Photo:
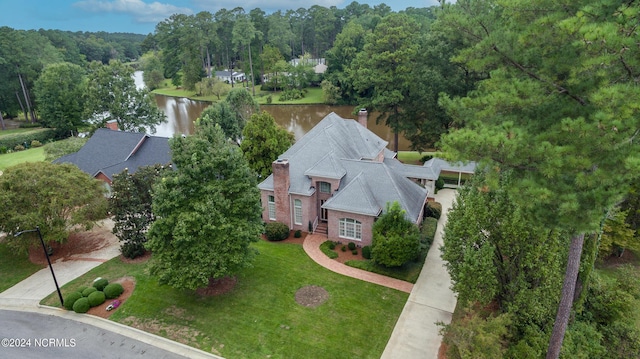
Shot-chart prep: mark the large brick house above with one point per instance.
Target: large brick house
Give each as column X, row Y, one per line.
column 338, row 179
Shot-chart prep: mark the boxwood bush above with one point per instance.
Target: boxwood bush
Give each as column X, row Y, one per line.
column 81, row 305
column 96, row 298
column 100, row 283
column 351, row 246
column 366, row 252
column 86, row 292
column 433, row 209
column 276, row 231
column 113, row 290
column 70, row 299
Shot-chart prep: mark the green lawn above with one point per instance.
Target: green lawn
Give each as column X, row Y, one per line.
column 13, row 131
column 312, row 97
column 412, row 157
column 31, row 155
column 14, row 268
column 260, row 317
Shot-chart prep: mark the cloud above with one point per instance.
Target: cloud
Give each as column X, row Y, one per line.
column 141, row 11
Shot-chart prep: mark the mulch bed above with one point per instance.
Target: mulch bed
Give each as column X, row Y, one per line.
column 78, row 243
column 129, row 284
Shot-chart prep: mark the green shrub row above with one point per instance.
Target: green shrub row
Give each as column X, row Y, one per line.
column 327, row 248
column 88, row 297
column 428, row 231
column 19, row 139
column 433, row 209
column 276, row 231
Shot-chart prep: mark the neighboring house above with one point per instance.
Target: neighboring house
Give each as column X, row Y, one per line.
column 108, row 152
column 338, row 179
column 227, row 76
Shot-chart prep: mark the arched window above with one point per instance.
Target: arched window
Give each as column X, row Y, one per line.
column 297, row 211
column 350, row 229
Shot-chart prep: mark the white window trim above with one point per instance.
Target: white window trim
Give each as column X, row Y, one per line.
column 271, row 206
column 356, row 227
column 297, row 211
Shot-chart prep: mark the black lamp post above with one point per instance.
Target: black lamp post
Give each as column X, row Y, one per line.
column 46, row 253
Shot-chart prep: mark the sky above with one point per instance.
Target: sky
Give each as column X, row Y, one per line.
column 141, row 16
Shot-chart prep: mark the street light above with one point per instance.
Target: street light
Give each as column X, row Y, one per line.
column 46, row 253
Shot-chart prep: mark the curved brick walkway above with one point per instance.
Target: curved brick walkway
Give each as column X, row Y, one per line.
column 312, row 244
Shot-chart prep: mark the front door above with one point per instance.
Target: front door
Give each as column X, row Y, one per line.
column 323, row 211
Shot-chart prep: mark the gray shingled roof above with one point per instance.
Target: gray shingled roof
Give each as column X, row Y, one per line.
column 438, row 164
column 339, row 148
column 110, row 152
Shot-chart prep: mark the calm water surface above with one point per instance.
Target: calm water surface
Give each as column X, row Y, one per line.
column 297, row 119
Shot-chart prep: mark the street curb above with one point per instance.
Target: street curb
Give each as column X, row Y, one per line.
column 133, row 333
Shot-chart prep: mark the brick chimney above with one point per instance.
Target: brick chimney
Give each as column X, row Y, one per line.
column 281, row 183
column 362, row 117
column 112, row 125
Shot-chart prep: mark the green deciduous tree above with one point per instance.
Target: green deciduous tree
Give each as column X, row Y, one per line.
column 207, row 212
column 59, row 95
column 152, row 70
column 57, row 198
column 263, row 141
column 57, row 149
column 555, row 110
column 112, row 95
column 396, row 240
column 130, row 205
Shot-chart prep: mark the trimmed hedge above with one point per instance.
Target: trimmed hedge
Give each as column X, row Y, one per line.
column 366, row 252
column 276, row 231
column 41, row 135
column 96, row 298
column 113, row 290
column 428, row 231
column 99, row 284
column 351, row 246
column 81, row 289
column 81, row 305
column 70, row 299
column 86, row 292
column 433, row 209
column 327, row 248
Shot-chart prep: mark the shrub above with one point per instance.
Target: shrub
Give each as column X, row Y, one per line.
column 269, row 99
column 396, row 240
column 276, row 231
column 113, row 290
column 428, row 230
column 439, row 184
column 96, row 298
column 81, row 289
column 86, row 292
column 132, row 249
column 41, row 135
column 344, row 248
column 18, row 148
column 366, row 252
column 3, row 149
column 81, row 305
column 36, row 143
column 351, row 246
column 327, row 248
column 298, row 234
column 425, row 158
column 354, row 252
column 100, row 283
column 70, row 299
column 433, row 209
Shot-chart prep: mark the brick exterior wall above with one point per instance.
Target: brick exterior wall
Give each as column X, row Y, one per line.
column 334, row 229
column 281, row 183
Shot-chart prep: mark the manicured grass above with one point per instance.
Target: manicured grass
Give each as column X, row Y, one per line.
column 312, row 97
column 324, row 247
column 13, row 131
column 412, row 157
column 14, row 268
column 260, row 317
column 31, row 155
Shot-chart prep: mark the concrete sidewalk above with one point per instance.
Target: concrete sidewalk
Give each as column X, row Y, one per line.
column 40, row 284
column 416, row 334
column 26, row 296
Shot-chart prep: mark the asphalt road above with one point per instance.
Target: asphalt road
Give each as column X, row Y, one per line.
column 25, row 335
